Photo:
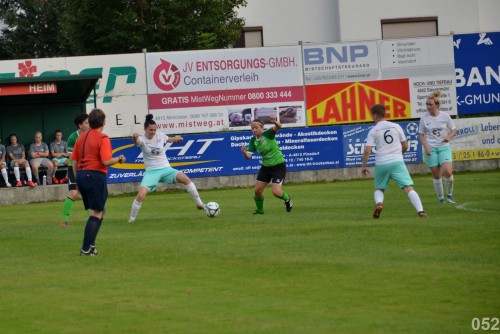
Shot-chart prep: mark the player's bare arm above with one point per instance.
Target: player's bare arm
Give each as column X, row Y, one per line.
column 424, row 144
column 277, row 125
column 450, row 135
column 404, row 146
column 135, row 138
column 246, row 154
column 175, row 139
column 366, row 155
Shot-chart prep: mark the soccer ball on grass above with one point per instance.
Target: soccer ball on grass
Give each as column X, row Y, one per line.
column 212, row 209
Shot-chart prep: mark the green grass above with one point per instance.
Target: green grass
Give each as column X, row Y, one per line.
column 326, row 267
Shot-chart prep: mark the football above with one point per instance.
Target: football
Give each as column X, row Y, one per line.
column 212, row 209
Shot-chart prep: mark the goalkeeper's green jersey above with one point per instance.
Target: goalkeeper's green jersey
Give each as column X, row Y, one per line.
column 71, row 143
column 268, row 148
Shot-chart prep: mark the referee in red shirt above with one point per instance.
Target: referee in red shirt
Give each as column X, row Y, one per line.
column 92, row 154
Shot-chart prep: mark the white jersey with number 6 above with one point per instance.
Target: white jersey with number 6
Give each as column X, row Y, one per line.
column 386, row 138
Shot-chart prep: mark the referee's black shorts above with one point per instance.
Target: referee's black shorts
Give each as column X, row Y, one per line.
column 93, row 187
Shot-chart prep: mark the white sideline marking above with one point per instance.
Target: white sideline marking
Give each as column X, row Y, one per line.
column 465, row 207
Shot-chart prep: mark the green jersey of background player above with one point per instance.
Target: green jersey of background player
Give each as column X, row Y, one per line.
column 273, row 167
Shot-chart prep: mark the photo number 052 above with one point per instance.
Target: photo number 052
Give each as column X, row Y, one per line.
column 486, row 324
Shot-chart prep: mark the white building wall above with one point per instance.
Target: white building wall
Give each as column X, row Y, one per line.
column 489, row 12
column 287, row 22
column 360, row 19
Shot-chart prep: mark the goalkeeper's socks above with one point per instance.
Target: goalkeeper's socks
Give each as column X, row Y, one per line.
column 259, row 202
column 67, row 207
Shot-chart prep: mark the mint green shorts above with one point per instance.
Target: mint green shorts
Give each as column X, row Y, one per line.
column 60, row 160
column 394, row 170
column 439, row 155
column 152, row 177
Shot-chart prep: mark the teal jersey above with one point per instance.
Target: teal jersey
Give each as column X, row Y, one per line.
column 268, row 148
column 71, row 143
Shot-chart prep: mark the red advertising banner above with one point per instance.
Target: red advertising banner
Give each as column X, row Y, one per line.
column 225, row 97
column 29, row 89
column 350, row 102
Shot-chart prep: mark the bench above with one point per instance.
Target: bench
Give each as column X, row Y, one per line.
column 60, row 173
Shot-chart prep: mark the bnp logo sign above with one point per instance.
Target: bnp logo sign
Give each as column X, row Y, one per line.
column 335, row 54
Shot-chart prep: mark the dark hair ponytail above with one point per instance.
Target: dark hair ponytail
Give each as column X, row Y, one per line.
column 149, row 121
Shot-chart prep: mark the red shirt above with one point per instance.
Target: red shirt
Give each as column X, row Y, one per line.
column 91, row 149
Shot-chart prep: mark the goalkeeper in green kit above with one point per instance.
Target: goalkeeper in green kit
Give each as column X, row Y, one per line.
column 82, row 124
column 273, row 167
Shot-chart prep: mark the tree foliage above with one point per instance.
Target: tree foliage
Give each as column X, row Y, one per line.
column 48, row 28
column 31, row 29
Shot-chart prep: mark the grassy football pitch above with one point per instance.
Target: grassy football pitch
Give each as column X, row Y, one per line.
column 326, row 267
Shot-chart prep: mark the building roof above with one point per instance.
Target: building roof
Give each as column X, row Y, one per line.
column 60, row 89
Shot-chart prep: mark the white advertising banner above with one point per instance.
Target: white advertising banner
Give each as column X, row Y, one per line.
column 218, row 90
column 121, row 92
column 420, row 66
column 476, row 139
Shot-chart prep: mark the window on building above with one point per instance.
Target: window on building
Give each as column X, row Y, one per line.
column 251, row 37
column 409, row 27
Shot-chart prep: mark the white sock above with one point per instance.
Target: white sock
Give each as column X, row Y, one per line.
column 191, row 189
column 136, row 206
column 54, row 171
column 448, row 183
column 5, row 176
column 415, row 201
column 379, row 196
column 438, row 187
column 28, row 173
column 17, row 173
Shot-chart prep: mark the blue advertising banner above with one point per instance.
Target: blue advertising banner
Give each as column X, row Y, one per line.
column 477, row 70
column 354, row 139
column 219, row 154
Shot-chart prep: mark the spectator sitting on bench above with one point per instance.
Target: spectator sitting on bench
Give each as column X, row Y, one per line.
column 17, row 157
column 59, row 153
column 3, row 166
column 39, row 153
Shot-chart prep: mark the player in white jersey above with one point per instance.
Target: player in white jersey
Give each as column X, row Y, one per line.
column 390, row 143
column 436, row 130
column 158, row 169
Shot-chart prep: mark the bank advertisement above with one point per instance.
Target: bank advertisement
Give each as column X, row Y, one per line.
column 477, row 68
column 354, row 142
column 476, row 139
column 219, row 154
column 121, row 92
column 358, row 75
column 223, row 90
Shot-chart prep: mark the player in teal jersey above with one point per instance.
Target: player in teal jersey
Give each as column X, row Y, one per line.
column 82, row 123
column 273, row 167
